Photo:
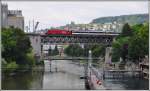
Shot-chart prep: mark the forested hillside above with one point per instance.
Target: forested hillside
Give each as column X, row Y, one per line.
column 131, row 19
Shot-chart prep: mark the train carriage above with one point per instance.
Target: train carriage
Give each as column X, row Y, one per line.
column 58, row 32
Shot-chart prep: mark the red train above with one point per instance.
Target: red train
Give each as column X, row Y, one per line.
column 58, row 32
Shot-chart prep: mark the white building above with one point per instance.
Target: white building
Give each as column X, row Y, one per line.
column 104, row 27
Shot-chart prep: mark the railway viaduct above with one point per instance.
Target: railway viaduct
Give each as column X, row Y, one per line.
column 38, row 40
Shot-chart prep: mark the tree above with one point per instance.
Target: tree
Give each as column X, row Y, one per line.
column 126, row 30
column 139, row 45
column 116, row 51
column 55, row 51
column 86, row 50
column 16, row 46
column 120, row 45
column 120, row 49
column 132, row 45
column 74, row 50
column 50, row 51
column 98, row 50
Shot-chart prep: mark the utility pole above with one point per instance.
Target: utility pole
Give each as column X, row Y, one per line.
column 37, row 23
column 90, row 59
column 29, row 25
column 33, row 25
column 90, row 63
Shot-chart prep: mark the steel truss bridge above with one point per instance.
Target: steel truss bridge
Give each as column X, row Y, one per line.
column 100, row 38
column 77, row 37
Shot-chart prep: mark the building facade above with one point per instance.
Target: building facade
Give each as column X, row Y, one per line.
column 12, row 18
column 16, row 19
column 4, row 15
column 106, row 27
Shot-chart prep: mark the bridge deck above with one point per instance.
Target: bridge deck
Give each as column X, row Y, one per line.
column 70, row 58
column 122, row 70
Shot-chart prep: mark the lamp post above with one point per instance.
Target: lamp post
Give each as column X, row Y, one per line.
column 89, row 63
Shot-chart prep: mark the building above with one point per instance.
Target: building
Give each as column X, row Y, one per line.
column 4, row 15
column 12, row 18
column 16, row 19
column 103, row 27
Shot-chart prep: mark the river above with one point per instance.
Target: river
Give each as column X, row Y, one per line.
column 64, row 74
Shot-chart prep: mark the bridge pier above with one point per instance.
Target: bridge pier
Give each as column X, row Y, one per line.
column 108, row 52
column 35, row 40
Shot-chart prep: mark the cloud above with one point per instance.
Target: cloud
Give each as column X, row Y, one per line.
column 60, row 13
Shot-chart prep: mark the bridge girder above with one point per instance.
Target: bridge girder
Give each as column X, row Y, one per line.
column 84, row 39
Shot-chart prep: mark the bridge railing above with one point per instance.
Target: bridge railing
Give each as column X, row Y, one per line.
column 69, row 58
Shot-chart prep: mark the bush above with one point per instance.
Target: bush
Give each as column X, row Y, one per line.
column 10, row 67
column 30, row 59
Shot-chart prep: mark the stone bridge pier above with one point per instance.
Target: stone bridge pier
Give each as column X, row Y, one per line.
column 108, row 54
column 35, row 40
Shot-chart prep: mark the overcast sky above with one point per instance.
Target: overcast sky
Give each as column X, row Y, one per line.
column 61, row 13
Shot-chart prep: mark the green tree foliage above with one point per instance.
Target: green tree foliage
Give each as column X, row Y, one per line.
column 30, row 59
column 120, row 45
column 74, row 50
column 131, row 19
column 10, row 67
column 98, row 50
column 86, row 50
column 139, row 43
column 136, row 28
column 50, row 51
column 56, row 51
column 119, row 50
column 132, row 45
column 16, row 45
column 53, row 52
column 126, row 30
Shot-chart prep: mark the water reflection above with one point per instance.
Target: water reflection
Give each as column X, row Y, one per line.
column 128, row 84
column 22, row 80
column 67, row 77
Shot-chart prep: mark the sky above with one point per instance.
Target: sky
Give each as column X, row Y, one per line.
column 54, row 14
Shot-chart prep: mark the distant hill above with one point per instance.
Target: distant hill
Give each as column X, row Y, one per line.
column 131, row 19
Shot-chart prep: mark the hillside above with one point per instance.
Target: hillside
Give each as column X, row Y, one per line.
column 131, row 19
